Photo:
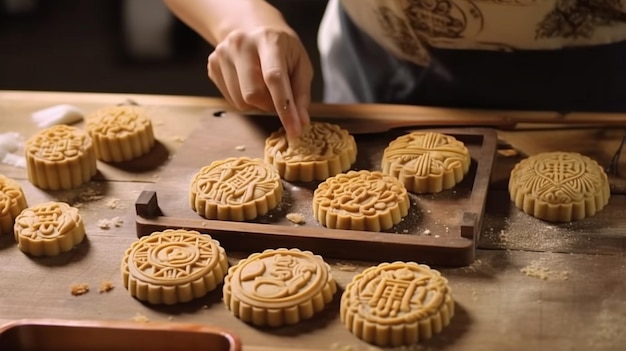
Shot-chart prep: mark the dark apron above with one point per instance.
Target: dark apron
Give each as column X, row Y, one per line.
column 573, row 79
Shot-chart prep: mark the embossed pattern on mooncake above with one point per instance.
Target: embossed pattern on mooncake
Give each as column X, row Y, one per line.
column 426, row 162
column 278, row 287
column 60, row 157
column 49, row 229
column 173, row 266
column 120, row 133
column 322, row 151
column 12, row 202
column 360, row 200
column 559, row 186
column 396, row 304
column 236, row 188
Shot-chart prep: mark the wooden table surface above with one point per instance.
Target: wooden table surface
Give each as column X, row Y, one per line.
column 533, row 285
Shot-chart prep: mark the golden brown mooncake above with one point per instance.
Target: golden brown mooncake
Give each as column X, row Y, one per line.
column 48, row 229
column 236, row 189
column 120, row 133
column 360, row 200
column 278, row 287
column 60, row 157
column 12, row 202
column 173, row 266
column 559, row 186
column 396, row 304
column 426, row 162
column 322, row 151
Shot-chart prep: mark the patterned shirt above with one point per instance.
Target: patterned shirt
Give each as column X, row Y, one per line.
column 521, row 54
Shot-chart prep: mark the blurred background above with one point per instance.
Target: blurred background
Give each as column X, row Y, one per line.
column 119, row 46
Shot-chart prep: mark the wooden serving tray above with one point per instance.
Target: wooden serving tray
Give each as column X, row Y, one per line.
column 440, row 229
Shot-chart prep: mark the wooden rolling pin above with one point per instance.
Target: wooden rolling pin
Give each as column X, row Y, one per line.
column 359, row 118
column 363, row 118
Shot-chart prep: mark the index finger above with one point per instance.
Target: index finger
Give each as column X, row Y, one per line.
column 276, row 77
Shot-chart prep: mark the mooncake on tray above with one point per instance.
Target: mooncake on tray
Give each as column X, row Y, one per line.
column 426, row 162
column 235, row 189
column 323, row 150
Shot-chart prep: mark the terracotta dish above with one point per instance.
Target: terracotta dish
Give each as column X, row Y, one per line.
column 73, row 335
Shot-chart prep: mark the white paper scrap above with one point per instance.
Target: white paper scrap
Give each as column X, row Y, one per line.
column 10, row 141
column 13, row 160
column 58, row 114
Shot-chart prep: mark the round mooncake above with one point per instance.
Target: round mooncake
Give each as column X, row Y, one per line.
column 173, row 266
column 322, row 151
column 426, row 162
column 360, row 200
column 396, row 304
column 60, row 157
column 278, row 287
column 559, row 186
column 49, row 229
column 236, row 189
column 12, row 202
column 120, row 133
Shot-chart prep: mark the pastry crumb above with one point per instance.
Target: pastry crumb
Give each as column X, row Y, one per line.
column 117, row 221
column 113, row 203
column 427, row 232
column 474, row 267
column 140, row 318
column 346, row 267
column 537, row 269
column 79, row 289
column 240, row 148
column 508, row 152
column 296, row 218
column 536, row 272
column 106, row 286
column 105, row 223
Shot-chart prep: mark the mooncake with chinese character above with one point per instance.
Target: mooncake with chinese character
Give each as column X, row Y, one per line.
column 278, row 287
column 397, row 304
column 12, row 202
column 173, row 266
column 49, row 229
column 321, row 151
column 236, row 189
column 360, row 200
column 120, row 133
column 426, row 162
column 559, row 186
column 60, row 157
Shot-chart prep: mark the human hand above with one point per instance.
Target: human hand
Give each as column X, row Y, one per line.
column 266, row 68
